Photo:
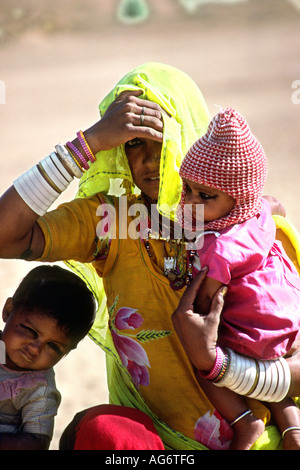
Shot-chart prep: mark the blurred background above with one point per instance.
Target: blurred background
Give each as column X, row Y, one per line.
column 58, row 59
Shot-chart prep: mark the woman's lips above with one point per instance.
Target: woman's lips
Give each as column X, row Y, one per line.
column 152, row 179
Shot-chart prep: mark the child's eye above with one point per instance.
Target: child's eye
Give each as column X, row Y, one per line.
column 206, row 197
column 29, row 330
column 55, row 348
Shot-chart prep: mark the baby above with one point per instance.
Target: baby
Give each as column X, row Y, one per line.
column 226, row 171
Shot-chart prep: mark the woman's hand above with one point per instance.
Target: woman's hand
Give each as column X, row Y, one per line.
column 198, row 333
column 126, row 118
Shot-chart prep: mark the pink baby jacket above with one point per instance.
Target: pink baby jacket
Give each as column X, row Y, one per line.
column 261, row 315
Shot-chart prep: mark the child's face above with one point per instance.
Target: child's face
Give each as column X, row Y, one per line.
column 216, row 203
column 33, row 341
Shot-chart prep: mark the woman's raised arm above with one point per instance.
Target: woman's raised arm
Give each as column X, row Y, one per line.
column 20, row 206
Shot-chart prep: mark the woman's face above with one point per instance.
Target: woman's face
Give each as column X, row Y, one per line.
column 144, row 160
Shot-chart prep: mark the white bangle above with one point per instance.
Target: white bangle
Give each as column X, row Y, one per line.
column 237, row 377
column 263, row 380
column 69, row 160
column 260, row 382
column 284, row 380
column 249, row 378
column 56, row 177
column 41, row 185
column 60, row 167
column 28, row 195
column 30, row 188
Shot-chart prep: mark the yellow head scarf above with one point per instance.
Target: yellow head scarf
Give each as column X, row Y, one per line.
column 186, row 120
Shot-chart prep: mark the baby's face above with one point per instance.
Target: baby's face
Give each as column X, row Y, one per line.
column 33, row 341
column 216, row 203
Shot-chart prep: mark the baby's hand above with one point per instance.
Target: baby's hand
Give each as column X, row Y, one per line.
column 277, row 208
column 292, row 440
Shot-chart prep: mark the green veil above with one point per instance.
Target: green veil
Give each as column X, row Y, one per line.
column 186, row 119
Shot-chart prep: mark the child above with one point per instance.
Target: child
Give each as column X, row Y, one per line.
column 50, row 312
column 225, row 171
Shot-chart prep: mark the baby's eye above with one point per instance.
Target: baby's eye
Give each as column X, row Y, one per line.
column 206, row 197
column 55, row 348
column 28, row 330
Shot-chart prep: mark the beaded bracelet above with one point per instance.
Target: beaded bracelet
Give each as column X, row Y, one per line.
column 219, row 367
column 84, row 144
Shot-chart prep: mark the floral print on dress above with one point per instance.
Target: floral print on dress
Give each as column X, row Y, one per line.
column 129, row 345
column 213, row 431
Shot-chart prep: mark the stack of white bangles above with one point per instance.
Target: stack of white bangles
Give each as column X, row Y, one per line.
column 263, row 380
column 41, row 185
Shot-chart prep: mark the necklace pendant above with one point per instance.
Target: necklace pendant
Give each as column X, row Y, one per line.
column 178, row 283
column 170, row 264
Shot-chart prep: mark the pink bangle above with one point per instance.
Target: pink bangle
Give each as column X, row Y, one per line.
column 217, row 368
column 79, row 155
column 84, row 144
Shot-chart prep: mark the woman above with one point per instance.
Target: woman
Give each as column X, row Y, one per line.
column 149, row 121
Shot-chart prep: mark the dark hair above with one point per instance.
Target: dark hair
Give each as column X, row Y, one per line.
column 59, row 294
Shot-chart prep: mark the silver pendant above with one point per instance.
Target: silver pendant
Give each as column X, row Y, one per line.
column 170, row 265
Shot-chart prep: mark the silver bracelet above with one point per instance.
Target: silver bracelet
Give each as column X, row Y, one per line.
column 292, row 428
column 243, row 415
column 263, row 380
column 68, row 160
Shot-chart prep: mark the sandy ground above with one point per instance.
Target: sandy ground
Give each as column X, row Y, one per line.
column 55, row 73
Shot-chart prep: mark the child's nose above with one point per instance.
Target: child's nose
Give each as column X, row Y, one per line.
column 35, row 347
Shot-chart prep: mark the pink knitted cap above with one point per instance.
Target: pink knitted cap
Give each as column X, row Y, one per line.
column 228, row 158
